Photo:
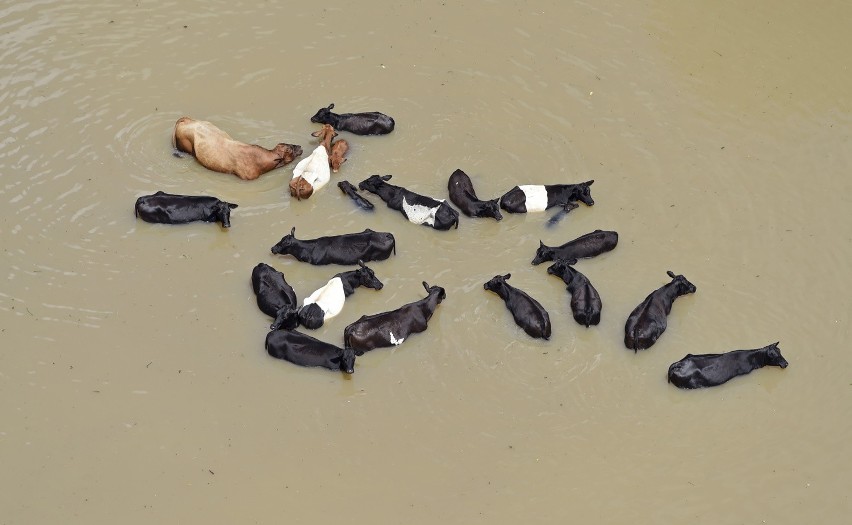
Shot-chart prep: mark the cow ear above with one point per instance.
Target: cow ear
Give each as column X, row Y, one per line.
column 670, row 274
column 589, row 183
column 507, row 276
column 232, row 205
column 425, row 285
column 386, row 177
column 293, row 231
column 361, row 263
column 540, row 244
column 331, row 106
column 335, row 360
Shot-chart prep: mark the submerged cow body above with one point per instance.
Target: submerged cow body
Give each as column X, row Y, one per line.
column 531, row 198
column 583, row 247
column 216, row 150
column 586, row 302
column 417, row 208
column 275, row 297
column 327, row 301
column 304, row 350
column 526, row 311
column 368, row 123
column 706, row 370
column 648, row 321
column 392, row 328
column 166, row 208
column 346, row 249
column 464, row 197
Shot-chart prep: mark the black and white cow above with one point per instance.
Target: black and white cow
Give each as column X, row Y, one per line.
column 464, row 197
column 349, row 189
column 527, row 312
column 586, row 302
column 531, row 198
column 648, row 321
column 392, row 328
column 166, row 208
column 304, row 350
column 705, row 370
column 346, row 249
column 327, row 301
column 583, row 247
column 275, row 297
column 417, row 208
column 369, row 123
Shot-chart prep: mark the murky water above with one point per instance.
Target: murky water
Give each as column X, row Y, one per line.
column 134, row 382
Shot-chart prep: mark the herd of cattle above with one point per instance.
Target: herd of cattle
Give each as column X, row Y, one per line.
column 217, row 151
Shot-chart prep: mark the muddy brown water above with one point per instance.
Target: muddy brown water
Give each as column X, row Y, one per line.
column 134, row 382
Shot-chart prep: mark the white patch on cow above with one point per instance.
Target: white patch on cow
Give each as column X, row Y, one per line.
column 329, row 298
column 394, row 340
column 314, row 168
column 419, row 214
column 536, row 197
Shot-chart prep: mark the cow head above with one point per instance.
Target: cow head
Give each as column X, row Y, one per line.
column 544, row 253
column 286, row 319
column 285, row 242
column 683, row 286
column 496, row 282
column 774, row 357
column 584, row 193
column 562, row 268
column 441, row 293
column 323, row 116
column 346, row 360
column 223, row 213
column 367, row 277
column 300, row 188
column 286, row 153
column 373, row 182
column 491, row 209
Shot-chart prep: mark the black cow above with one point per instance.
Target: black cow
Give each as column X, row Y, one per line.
column 417, row 208
column 166, row 208
column 464, row 197
column 349, row 189
column 346, row 249
column 304, row 350
column 699, row 371
column 527, row 312
column 535, row 197
column 275, row 297
column 371, row 123
column 328, row 300
column 392, row 328
column 585, row 300
column 648, row 321
column 583, row 247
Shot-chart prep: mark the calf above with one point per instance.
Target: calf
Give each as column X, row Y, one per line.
column 699, row 371
column 304, row 350
column 310, row 174
column 216, row 150
column 178, row 209
column 417, row 208
column 393, row 327
column 338, row 153
column 527, row 312
column 585, row 300
column 648, row 321
column 275, row 297
column 325, row 135
column 347, row 188
column 327, row 302
column 583, row 247
column 371, row 123
column 535, row 198
column 345, row 249
column 464, row 197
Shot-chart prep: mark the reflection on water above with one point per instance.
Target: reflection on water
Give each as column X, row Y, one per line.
column 134, row 375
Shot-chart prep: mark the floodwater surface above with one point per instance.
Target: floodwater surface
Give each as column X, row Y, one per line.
column 134, row 383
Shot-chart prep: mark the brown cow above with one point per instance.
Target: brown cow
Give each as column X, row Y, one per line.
column 336, row 150
column 216, row 150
